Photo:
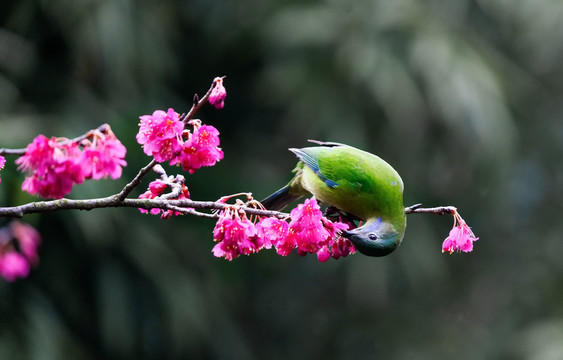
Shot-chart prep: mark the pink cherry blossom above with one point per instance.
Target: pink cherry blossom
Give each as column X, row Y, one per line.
column 307, row 228
column 271, row 231
column 285, row 246
column 341, row 247
column 53, row 167
column 335, row 245
column 35, row 154
column 156, row 188
column 161, row 134
column 105, row 157
column 2, row 163
column 18, row 250
column 202, row 149
column 13, row 266
column 234, row 234
column 28, row 240
column 308, row 231
column 218, row 93
column 461, row 237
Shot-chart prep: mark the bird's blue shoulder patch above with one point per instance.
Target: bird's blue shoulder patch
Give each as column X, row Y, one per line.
column 329, row 183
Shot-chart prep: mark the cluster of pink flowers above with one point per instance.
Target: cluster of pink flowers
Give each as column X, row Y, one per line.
column 55, row 165
column 162, row 136
column 308, row 232
column 236, row 235
column 18, row 250
column 103, row 156
column 461, row 237
column 202, row 149
column 156, row 188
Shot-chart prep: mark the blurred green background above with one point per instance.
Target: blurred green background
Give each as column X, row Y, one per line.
column 464, row 98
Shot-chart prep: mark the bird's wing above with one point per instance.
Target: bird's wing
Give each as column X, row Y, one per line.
column 311, row 159
column 351, row 170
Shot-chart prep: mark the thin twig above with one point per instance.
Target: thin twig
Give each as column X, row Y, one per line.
column 189, row 211
column 20, row 152
column 439, row 210
column 198, row 103
column 136, row 181
column 16, row 152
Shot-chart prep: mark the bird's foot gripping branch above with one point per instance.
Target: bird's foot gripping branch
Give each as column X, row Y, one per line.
column 374, row 226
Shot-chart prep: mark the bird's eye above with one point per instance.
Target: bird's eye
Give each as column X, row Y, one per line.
column 372, row 236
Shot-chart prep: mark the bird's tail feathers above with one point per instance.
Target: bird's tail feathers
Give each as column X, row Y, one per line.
column 280, row 199
column 326, row 143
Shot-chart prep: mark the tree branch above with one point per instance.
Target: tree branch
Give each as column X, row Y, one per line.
column 197, row 104
column 184, row 206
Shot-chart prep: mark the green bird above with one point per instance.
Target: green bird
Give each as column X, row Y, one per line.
column 355, row 182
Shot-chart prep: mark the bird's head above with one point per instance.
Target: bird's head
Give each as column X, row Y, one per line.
column 375, row 238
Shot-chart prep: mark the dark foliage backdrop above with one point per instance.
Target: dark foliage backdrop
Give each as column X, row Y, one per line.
column 463, row 97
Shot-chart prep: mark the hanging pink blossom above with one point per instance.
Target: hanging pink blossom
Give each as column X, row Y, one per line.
column 202, row 149
column 104, row 157
column 218, row 93
column 461, row 237
column 308, row 231
column 271, row 231
column 335, row 245
column 307, row 228
column 53, row 167
column 234, row 235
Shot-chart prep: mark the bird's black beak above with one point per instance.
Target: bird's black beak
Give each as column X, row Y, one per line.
column 348, row 233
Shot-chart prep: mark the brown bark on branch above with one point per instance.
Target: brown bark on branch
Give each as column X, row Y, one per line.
column 113, row 201
column 439, row 210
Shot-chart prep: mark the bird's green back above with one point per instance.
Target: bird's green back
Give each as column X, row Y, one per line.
column 352, row 180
